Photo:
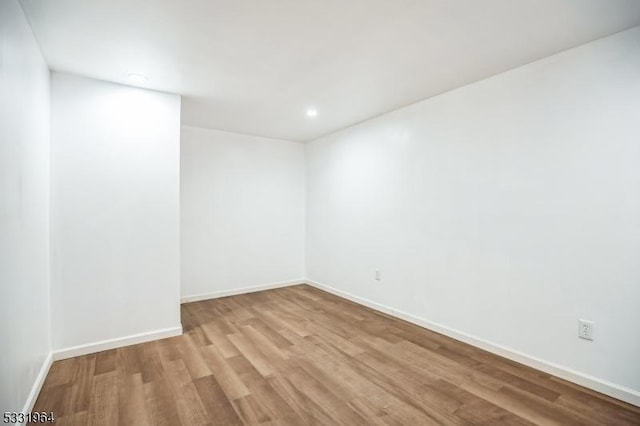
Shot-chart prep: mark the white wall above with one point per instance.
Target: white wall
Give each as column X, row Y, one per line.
column 506, row 209
column 242, row 201
column 115, row 242
column 24, row 209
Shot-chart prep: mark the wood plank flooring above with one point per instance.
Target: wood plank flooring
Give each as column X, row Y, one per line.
column 297, row 356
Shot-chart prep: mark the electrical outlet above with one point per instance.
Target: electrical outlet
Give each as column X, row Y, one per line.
column 585, row 329
column 377, row 275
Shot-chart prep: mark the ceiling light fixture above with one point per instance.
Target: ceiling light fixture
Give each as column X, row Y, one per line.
column 312, row 112
column 137, row 78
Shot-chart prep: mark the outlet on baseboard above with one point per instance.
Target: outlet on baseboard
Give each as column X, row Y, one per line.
column 585, row 329
column 377, row 275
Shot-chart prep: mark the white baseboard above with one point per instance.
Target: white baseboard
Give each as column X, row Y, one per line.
column 119, row 342
column 37, row 384
column 235, row 291
column 616, row 391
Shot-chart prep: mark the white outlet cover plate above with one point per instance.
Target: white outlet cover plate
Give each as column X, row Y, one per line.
column 585, row 329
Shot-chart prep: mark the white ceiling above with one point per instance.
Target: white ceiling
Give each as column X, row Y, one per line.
column 255, row 66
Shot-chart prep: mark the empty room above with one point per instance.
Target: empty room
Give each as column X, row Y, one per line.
column 309, row 212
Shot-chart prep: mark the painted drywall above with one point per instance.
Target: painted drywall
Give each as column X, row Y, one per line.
column 506, row 209
column 24, row 209
column 242, row 211
column 115, row 245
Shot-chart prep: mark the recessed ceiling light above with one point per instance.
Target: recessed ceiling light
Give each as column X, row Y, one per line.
column 312, row 112
column 137, row 78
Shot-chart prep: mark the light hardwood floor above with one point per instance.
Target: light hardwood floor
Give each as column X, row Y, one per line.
column 300, row 356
